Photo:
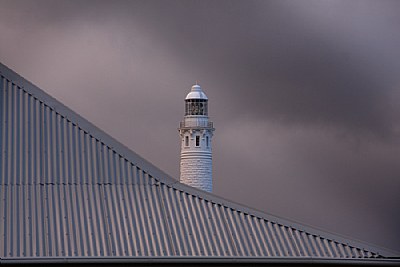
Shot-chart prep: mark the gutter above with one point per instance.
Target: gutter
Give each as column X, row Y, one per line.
column 274, row 261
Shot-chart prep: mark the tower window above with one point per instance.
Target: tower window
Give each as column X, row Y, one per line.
column 197, row 140
column 207, row 141
column 186, row 140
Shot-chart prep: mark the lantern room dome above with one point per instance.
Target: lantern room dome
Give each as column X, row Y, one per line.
column 196, row 93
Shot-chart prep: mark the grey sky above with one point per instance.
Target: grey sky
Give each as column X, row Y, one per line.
column 304, row 94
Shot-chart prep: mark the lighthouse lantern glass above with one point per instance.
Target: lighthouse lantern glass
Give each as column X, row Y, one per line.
column 197, row 107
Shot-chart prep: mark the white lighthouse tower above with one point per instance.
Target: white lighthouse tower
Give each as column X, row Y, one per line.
column 196, row 132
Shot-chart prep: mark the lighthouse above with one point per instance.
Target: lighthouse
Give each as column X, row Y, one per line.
column 196, row 132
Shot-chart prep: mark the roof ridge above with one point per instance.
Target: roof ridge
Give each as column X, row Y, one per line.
column 85, row 125
column 309, row 229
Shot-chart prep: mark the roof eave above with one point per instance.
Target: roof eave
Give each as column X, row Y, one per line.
column 295, row 261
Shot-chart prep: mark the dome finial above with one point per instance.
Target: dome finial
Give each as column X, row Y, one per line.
column 196, row 92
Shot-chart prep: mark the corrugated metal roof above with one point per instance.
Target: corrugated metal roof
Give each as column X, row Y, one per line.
column 69, row 190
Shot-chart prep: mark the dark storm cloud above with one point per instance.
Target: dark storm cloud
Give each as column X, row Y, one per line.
column 296, row 68
column 287, row 65
column 297, row 89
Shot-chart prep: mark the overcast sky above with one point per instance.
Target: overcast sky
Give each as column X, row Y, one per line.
column 304, row 95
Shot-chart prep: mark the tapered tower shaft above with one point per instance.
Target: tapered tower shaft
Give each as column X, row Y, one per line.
column 196, row 132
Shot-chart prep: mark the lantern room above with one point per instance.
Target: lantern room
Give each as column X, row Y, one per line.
column 196, row 102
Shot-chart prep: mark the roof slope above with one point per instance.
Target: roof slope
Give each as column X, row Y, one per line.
column 67, row 189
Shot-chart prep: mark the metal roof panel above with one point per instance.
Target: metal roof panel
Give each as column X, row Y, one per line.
column 67, row 189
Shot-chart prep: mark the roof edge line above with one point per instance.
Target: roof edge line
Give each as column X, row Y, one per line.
column 311, row 230
column 85, row 125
